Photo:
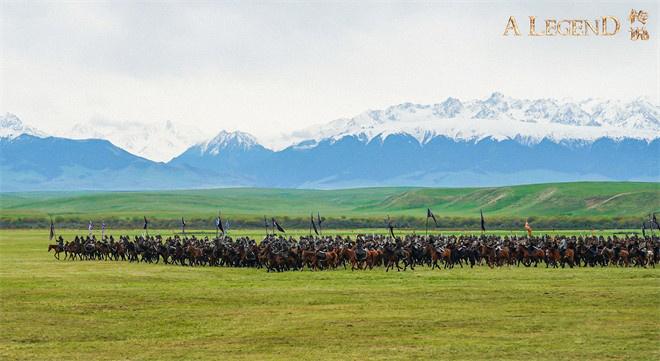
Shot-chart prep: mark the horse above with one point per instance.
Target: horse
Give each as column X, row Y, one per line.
column 391, row 258
column 56, row 248
column 435, row 256
column 650, row 257
column 528, row 257
column 569, row 257
column 308, row 258
column 356, row 262
column 194, row 255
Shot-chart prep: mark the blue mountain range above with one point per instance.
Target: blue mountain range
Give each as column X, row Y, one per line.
column 494, row 142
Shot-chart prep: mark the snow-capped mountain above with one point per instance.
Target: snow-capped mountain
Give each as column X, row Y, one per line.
column 227, row 140
column 156, row 141
column 11, row 127
column 227, row 150
column 491, row 142
column 498, row 117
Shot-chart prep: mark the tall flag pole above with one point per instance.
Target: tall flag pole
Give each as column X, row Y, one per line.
column 483, row 223
column 89, row 228
column 217, row 226
column 52, row 229
column 146, row 226
column 319, row 221
column 183, row 226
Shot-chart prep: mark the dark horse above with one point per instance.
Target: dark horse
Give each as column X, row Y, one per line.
column 57, row 248
column 392, row 256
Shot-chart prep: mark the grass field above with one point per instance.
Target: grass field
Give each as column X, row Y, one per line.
column 53, row 310
column 602, row 199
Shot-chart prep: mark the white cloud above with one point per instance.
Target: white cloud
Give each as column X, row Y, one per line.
column 266, row 68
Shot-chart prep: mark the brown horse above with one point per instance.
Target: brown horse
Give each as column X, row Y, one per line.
column 527, row 258
column 194, row 255
column 351, row 255
column 504, row 256
column 374, row 258
column 488, row 253
column 331, row 259
column 276, row 262
column 308, row 258
column 607, row 254
column 552, row 257
column 56, row 248
column 624, row 258
column 73, row 251
column 439, row 255
column 569, row 257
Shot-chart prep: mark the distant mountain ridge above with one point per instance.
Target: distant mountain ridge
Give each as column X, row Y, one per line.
column 499, row 117
column 492, row 142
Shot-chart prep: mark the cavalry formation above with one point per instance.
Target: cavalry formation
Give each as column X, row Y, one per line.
column 278, row 253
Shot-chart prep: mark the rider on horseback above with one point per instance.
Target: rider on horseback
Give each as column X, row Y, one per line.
column 530, row 245
column 399, row 248
column 360, row 252
column 562, row 246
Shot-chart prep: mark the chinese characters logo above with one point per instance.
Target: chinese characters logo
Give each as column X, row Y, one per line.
column 638, row 33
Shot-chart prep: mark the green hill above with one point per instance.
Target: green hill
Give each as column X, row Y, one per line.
column 572, row 204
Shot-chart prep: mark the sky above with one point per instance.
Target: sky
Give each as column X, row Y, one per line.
column 273, row 67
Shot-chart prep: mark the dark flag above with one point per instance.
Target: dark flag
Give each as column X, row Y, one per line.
column 218, row 224
column 318, row 220
column 146, row 223
column 52, row 229
column 183, row 226
column 277, row 225
column 430, row 214
column 311, row 218
column 483, row 223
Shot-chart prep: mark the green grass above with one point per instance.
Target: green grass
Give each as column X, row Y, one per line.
column 602, row 199
column 118, row 311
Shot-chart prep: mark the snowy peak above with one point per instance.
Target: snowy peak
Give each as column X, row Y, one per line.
column 11, row 127
column 572, row 114
column 228, row 140
column 448, row 109
column 498, row 117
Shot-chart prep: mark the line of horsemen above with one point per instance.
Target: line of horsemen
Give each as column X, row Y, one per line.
column 279, row 253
